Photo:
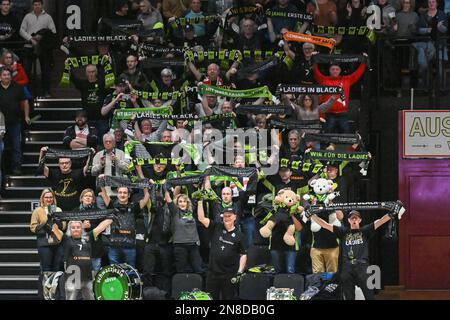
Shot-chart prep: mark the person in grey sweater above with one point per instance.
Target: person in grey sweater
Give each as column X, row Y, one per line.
column 407, row 20
column 184, row 233
column 307, row 108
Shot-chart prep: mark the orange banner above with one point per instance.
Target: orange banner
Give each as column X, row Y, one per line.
column 300, row 37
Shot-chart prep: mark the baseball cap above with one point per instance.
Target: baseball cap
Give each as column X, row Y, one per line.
column 228, row 210
column 120, row 81
column 354, row 212
column 188, row 27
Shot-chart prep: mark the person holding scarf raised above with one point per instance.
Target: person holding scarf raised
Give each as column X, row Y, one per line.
column 336, row 117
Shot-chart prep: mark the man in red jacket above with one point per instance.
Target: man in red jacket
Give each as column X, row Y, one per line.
column 336, row 117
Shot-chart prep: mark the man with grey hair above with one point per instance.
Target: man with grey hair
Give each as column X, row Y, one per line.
column 111, row 162
column 167, row 82
column 303, row 66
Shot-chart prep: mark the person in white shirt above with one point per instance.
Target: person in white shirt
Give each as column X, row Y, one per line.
column 32, row 30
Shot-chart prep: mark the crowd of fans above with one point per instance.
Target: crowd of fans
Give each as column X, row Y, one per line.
column 163, row 56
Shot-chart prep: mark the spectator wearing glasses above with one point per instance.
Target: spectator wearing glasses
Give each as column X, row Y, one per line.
column 48, row 232
column 66, row 183
column 303, row 68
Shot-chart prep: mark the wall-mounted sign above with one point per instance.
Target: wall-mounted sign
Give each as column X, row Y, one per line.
column 426, row 134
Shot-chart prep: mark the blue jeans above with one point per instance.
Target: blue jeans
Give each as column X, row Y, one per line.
column 337, row 123
column 425, row 54
column 248, row 229
column 13, row 139
column 117, row 255
column 283, row 258
column 96, row 263
column 51, row 258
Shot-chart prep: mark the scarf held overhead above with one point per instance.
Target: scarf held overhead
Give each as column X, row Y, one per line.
column 77, row 62
column 392, row 206
column 300, row 37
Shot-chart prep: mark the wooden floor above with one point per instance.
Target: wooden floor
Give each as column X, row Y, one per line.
column 399, row 293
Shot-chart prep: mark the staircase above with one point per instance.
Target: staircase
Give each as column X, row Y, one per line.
column 19, row 260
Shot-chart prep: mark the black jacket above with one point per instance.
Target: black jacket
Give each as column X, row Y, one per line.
column 69, row 135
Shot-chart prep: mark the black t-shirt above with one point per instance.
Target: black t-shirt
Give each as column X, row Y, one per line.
column 10, row 99
column 355, row 243
column 283, row 220
column 323, row 239
column 226, row 249
column 303, row 69
column 67, row 187
column 123, row 232
column 78, row 252
column 10, row 24
column 92, row 96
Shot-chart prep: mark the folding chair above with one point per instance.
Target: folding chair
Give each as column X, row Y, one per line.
column 253, row 286
column 185, row 282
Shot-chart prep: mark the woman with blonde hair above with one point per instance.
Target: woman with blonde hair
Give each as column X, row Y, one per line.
column 184, row 232
column 48, row 232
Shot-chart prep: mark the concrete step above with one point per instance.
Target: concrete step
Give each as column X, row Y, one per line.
column 18, row 294
column 19, row 255
column 15, row 229
column 56, row 135
column 51, row 124
column 20, row 268
column 31, row 168
column 23, row 192
column 56, row 113
column 17, row 204
column 26, row 181
column 35, row 146
column 22, row 282
column 16, row 242
column 15, row 216
column 57, row 103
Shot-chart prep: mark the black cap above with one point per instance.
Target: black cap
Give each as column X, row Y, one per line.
column 188, row 27
column 228, row 210
column 354, row 212
column 333, row 164
column 119, row 81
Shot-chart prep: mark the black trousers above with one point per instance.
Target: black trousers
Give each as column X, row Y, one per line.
column 220, row 286
column 355, row 275
column 45, row 59
column 154, row 253
column 187, row 258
